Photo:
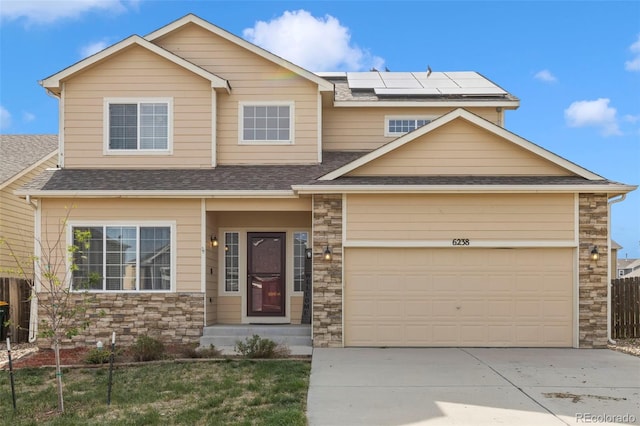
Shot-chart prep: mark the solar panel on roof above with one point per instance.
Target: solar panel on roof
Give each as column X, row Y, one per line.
column 406, row 92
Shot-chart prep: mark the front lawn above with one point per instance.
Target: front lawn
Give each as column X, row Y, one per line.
column 237, row 392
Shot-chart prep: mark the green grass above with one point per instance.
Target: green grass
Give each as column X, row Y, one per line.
column 237, row 392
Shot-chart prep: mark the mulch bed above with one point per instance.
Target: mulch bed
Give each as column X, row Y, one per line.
column 47, row 357
column 77, row 356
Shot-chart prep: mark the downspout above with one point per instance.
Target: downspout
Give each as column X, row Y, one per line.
column 33, row 306
column 610, row 203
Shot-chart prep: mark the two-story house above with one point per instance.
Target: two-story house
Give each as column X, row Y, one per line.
column 208, row 169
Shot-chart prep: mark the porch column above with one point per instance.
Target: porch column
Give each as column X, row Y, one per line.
column 592, row 281
column 327, row 274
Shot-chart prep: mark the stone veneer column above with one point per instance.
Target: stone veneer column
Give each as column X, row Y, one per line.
column 173, row 318
column 327, row 275
column 593, row 282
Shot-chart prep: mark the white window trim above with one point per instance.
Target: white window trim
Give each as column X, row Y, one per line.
column 293, row 248
column 105, row 126
column 137, row 224
column 292, row 115
column 223, row 267
column 387, row 118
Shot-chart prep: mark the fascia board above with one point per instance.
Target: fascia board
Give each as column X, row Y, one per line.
column 155, row 194
column 323, row 85
column 53, row 81
column 28, row 169
column 425, row 189
column 507, row 104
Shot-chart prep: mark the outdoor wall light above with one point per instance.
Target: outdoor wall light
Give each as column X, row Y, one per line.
column 594, row 253
column 327, row 254
column 214, row 241
column 308, row 253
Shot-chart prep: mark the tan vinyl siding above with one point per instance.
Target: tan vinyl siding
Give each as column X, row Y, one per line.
column 16, row 224
column 230, row 310
column 296, row 309
column 252, row 79
column 259, row 204
column 137, row 73
column 489, row 217
column 211, row 296
column 185, row 213
column 363, row 129
column 460, row 148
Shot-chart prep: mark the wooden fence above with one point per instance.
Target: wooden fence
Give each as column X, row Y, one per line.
column 17, row 293
column 625, row 308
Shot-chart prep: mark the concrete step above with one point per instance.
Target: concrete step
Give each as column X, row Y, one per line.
column 285, row 334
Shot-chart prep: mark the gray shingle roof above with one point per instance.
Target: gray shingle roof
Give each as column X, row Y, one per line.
column 19, row 152
column 222, row 178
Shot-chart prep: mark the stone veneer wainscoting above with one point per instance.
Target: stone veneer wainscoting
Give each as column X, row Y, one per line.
column 327, row 275
column 173, row 318
column 593, row 282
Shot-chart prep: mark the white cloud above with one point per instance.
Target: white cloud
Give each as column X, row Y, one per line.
column 546, row 76
column 316, row 44
column 92, row 48
column 28, row 117
column 5, row 118
column 47, row 11
column 596, row 113
column 634, row 64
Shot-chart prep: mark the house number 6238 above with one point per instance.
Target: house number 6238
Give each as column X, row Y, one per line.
column 460, row 242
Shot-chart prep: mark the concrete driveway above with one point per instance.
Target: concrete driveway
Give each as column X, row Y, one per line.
column 473, row 386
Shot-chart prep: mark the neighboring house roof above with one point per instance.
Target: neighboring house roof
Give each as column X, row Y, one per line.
column 20, row 154
column 52, row 83
column 323, row 84
column 460, row 113
column 624, row 263
column 633, row 274
column 459, row 88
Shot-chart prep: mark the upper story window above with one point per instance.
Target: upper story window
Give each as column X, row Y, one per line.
column 266, row 123
column 398, row 126
column 138, row 125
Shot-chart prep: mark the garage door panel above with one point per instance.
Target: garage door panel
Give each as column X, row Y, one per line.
column 458, row 297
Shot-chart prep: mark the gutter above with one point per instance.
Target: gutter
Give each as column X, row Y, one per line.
column 609, row 204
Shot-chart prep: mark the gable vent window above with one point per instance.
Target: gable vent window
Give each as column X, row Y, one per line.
column 266, row 123
column 400, row 126
column 138, row 126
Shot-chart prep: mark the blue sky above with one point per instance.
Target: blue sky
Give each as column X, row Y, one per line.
column 575, row 65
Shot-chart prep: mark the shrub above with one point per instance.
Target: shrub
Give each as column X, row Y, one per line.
column 100, row 356
column 196, row 352
column 257, row 347
column 147, row 348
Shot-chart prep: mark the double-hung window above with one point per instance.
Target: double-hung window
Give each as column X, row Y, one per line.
column 266, row 123
column 133, row 126
column 122, row 257
column 398, row 126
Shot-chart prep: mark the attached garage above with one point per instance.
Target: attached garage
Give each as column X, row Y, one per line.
column 460, row 296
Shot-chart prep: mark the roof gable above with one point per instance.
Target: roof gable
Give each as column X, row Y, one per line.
column 323, row 84
column 53, row 83
column 433, row 150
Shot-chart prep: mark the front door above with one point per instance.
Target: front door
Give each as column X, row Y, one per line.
column 266, row 273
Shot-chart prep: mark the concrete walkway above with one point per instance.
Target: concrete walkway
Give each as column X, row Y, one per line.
column 473, row 386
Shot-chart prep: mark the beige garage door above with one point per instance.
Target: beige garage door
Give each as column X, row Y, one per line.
column 458, row 297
